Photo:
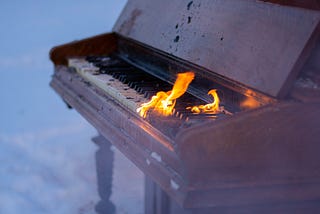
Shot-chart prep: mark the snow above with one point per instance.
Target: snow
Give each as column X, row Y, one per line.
column 47, row 159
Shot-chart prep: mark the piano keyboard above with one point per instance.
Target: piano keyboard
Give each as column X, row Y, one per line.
column 108, row 83
column 128, row 85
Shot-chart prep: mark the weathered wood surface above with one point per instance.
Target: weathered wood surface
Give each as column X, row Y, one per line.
column 259, row 44
column 97, row 45
column 104, row 165
column 309, row 4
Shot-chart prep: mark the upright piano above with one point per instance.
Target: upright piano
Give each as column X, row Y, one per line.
column 260, row 151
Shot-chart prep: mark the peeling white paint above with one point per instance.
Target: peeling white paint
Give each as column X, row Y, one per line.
column 148, row 161
column 174, row 185
column 156, row 156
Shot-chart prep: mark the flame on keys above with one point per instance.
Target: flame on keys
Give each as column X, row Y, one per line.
column 164, row 102
column 211, row 108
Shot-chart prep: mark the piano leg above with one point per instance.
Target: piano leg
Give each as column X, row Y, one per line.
column 156, row 200
column 104, row 165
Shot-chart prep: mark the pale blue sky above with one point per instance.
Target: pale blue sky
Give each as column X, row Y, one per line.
column 29, row 29
column 47, row 162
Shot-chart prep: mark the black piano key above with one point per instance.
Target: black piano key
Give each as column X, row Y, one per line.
column 149, row 94
column 142, row 84
column 136, row 78
column 93, row 59
column 118, row 69
column 105, row 62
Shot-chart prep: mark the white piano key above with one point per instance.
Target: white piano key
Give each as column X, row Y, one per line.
column 125, row 95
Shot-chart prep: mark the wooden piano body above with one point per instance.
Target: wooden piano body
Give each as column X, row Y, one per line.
column 264, row 158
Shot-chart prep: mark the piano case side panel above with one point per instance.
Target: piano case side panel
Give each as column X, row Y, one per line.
column 269, row 154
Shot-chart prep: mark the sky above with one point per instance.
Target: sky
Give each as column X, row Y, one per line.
column 47, row 161
column 29, row 30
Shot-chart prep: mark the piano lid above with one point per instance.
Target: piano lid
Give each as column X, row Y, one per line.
column 259, row 44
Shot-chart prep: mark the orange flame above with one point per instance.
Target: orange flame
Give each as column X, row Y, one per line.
column 249, row 102
column 208, row 108
column 164, row 102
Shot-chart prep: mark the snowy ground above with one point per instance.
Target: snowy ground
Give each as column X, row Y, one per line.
column 47, row 161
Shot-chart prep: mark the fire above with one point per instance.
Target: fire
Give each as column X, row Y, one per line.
column 164, row 102
column 212, row 108
column 249, row 102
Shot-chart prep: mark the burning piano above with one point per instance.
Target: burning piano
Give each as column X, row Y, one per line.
column 218, row 102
